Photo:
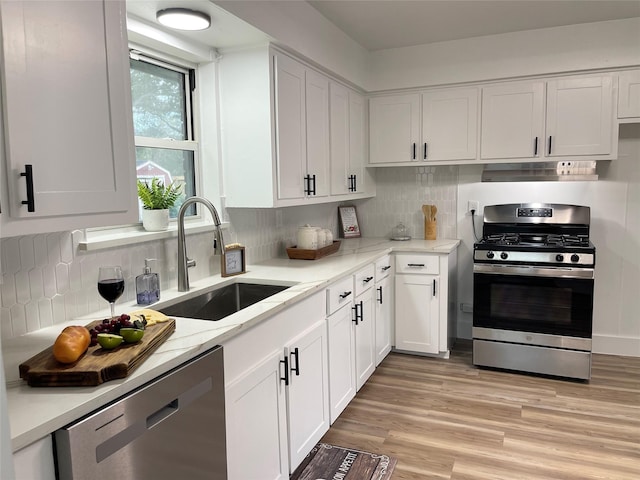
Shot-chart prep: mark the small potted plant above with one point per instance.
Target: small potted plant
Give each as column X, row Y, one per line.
column 157, row 199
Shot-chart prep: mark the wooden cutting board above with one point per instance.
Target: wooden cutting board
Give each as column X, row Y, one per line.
column 97, row 365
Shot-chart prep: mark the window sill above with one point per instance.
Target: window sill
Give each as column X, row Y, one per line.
column 95, row 240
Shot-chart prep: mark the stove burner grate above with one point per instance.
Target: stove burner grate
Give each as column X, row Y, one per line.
column 552, row 240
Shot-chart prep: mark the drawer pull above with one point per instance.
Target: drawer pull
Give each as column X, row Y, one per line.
column 386, row 267
column 367, row 280
column 344, row 295
column 415, row 264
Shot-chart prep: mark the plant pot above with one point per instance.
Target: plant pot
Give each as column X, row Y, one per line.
column 155, row 220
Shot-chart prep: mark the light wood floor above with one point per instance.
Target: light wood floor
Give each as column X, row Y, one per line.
column 445, row 419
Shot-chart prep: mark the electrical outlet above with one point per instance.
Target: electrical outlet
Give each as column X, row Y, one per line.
column 473, row 205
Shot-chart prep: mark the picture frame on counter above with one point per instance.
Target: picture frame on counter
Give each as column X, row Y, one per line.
column 348, row 222
column 233, row 262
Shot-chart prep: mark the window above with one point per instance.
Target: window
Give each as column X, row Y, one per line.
column 161, row 97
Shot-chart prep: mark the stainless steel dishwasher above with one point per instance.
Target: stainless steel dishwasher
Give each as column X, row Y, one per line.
column 170, row 428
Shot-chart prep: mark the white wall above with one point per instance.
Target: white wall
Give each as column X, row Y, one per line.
column 611, row 44
column 615, row 230
column 297, row 25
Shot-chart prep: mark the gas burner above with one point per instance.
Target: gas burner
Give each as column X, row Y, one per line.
column 502, row 239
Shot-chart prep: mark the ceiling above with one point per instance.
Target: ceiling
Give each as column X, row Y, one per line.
column 377, row 25
column 382, row 24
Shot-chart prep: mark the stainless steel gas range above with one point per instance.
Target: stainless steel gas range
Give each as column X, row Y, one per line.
column 533, row 278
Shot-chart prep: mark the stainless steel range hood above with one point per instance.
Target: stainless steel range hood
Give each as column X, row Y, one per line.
column 540, row 172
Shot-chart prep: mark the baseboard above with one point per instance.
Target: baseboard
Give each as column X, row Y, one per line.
column 616, row 345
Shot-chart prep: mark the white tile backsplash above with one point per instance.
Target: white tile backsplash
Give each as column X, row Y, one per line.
column 47, row 280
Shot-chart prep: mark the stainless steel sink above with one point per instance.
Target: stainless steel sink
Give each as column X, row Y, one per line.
column 219, row 303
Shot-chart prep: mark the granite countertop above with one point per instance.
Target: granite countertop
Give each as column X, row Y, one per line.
column 37, row 412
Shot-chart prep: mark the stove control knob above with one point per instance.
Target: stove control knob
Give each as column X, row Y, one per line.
column 490, row 255
column 575, row 257
column 559, row 258
column 504, row 255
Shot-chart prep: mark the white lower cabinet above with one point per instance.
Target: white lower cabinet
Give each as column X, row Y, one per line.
column 425, row 300
column 383, row 318
column 342, row 375
column 417, row 320
column 308, row 391
column 257, row 423
column 277, row 392
column 35, row 461
column 351, row 327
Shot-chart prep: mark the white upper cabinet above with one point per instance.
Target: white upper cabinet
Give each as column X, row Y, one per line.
column 68, row 123
column 291, row 147
column 348, row 133
column 317, row 130
column 394, row 128
column 512, row 120
column 579, row 116
column 278, row 143
column 449, row 124
column 578, row 121
column 436, row 125
column 629, row 95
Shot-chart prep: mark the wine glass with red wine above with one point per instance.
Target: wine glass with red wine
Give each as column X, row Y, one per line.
column 110, row 285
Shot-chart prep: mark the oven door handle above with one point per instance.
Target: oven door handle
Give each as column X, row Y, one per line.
column 534, row 271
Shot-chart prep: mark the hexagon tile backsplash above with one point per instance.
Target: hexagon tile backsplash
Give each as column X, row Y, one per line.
column 46, row 280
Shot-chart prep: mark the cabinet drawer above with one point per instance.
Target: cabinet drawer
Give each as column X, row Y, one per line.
column 383, row 268
column 364, row 279
column 339, row 294
column 421, row 264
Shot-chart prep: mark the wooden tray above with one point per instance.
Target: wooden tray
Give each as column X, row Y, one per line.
column 300, row 254
column 97, row 365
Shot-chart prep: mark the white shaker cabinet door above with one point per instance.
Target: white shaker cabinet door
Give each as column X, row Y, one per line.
column 365, row 338
column 68, row 109
column 394, row 128
column 339, row 125
column 449, row 124
column 579, row 116
column 417, row 313
column 257, row 423
column 291, row 149
column 317, row 115
column 357, row 142
column 383, row 316
column 308, row 391
column 629, row 94
column 512, row 120
column 342, row 380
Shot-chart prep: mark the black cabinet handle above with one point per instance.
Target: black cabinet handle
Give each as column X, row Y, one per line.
column 380, row 296
column 352, row 183
column 313, row 179
column 415, row 264
column 361, row 312
column 345, row 294
column 386, row 267
column 425, row 150
column 30, row 201
column 357, row 309
column 286, row 370
column 307, row 185
column 367, row 280
column 355, row 183
column 434, row 287
column 295, row 369
column 549, row 144
column 535, row 147
column 414, row 151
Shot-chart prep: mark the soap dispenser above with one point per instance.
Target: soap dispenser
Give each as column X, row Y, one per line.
column 147, row 285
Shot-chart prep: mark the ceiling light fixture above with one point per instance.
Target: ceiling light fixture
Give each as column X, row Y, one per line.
column 183, row 19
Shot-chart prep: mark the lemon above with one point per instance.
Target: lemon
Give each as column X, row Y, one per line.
column 131, row 335
column 109, row 340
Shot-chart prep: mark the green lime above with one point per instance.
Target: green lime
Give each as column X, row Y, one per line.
column 131, row 335
column 109, row 340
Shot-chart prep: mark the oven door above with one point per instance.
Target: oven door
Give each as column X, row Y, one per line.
column 551, row 300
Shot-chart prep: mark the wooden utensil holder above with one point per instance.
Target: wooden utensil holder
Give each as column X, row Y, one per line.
column 430, row 229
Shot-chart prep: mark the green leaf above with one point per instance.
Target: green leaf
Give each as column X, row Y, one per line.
column 157, row 196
